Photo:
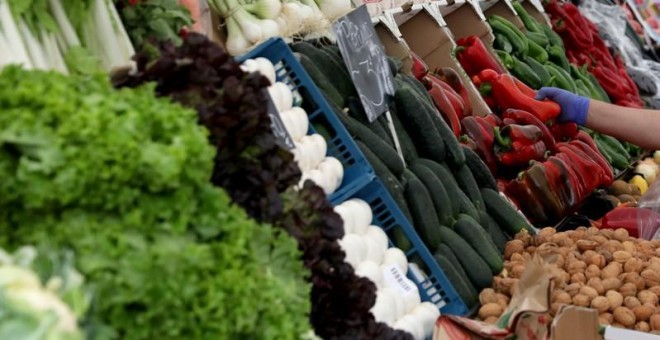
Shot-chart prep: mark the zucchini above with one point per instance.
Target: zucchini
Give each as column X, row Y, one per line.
column 406, row 143
column 439, row 196
column 380, row 149
column 418, row 123
column 336, row 73
column 469, row 185
column 461, row 283
column 392, row 184
column 330, row 92
column 496, row 234
column 425, row 219
column 475, row 267
column 504, row 214
column 448, row 182
column 470, row 230
column 479, row 170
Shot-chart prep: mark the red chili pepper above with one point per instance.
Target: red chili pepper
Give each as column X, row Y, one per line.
column 525, row 118
column 474, row 57
column 451, row 77
column 483, row 138
column 507, row 95
column 541, row 181
column 455, row 100
column 444, row 106
column 526, row 90
column 611, row 83
column 585, row 138
column 564, row 131
column 520, row 192
column 419, row 67
column 587, row 151
column 524, row 134
column 562, row 181
column 588, row 169
column 576, row 176
column 493, row 120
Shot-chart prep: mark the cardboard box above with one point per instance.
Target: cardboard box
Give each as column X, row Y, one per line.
column 427, row 35
column 392, row 42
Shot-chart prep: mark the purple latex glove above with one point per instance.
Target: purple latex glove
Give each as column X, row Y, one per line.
column 574, row 108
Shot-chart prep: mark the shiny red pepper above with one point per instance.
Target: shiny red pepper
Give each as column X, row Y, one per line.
column 493, row 120
column 590, row 171
column 474, row 57
column 566, row 180
column 525, row 198
column 523, row 134
column 419, row 67
column 443, row 104
column 507, row 95
column 451, row 77
column 455, row 100
column 577, row 177
column 522, row 154
column 564, row 131
column 483, row 138
column 587, row 151
column 525, row 118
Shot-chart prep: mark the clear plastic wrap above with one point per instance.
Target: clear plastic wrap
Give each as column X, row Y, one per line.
column 648, row 217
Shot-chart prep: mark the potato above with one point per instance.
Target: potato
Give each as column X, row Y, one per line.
column 615, row 298
column 621, row 256
column 578, row 278
column 631, row 302
column 643, row 313
column 601, row 304
column 513, row 247
column 491, row 320
column 628, row 289
column 581, row 300
column 597, row 284
column 563, row 297
column 612, row 283
column 589, row 291
column 635, row 265
column 654, row 321
column 621, row 234
column 592, row 271
column 489, row 310
column 487, row 296
column 647, row 296
column 624, row 316
column 611, row 270
column 643, row 326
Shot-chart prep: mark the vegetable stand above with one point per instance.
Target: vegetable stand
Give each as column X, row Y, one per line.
column 232, row 160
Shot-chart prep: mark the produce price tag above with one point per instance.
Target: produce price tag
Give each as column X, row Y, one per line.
column 365, row 58
column 395, row 278
column 279, row 130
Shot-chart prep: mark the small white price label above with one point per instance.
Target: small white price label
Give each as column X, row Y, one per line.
column 396, row 279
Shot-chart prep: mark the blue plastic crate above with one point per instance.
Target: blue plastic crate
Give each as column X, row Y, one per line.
column 435, row 288
column 357, row 171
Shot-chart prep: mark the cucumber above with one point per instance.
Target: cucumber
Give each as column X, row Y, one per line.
column 407, row 146
column 356, row 110
column 496, row 234
column 425, row 219
column 399, row 239
column 384, row 129
column 330, row 92
column 380, row 149
column 479, row 170
column 504, row 214
column 470, row 230
column 415, row 84
column 461, row 283
column 439, row 196
column 455, row 155
column 475, row 267
column 448, row 182
column 467, row 207
column 469, row 185
column 336, row 73
column 393, row 186
column 419, row 125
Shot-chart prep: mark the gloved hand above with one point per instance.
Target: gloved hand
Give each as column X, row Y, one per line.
column 574, row 108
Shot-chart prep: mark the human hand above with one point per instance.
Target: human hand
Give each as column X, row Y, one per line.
column 574, row 108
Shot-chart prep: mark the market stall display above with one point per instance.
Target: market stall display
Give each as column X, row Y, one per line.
column 227, row 181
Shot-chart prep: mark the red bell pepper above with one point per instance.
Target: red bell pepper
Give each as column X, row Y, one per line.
column 493, row 120
column 419, row 67
column 522, row 155
column 568, row 180
column 564, row 131
column 474, row 57
column 525, row 118
column 508, row 95
column 590, row 171
column 587, row 151
column 525, row 198
column 577, row 177
column 518, row 145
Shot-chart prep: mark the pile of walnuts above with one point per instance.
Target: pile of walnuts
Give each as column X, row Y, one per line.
column 603, row 269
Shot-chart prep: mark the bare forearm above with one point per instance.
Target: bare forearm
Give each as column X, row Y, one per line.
column 637, row 126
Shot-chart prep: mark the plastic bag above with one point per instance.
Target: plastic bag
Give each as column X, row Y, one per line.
column 648, row 221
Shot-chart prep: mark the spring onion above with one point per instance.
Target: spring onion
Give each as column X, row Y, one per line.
column 263, row 9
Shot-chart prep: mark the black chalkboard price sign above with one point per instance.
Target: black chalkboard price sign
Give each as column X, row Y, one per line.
column 365, row 58
column 279, row 130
